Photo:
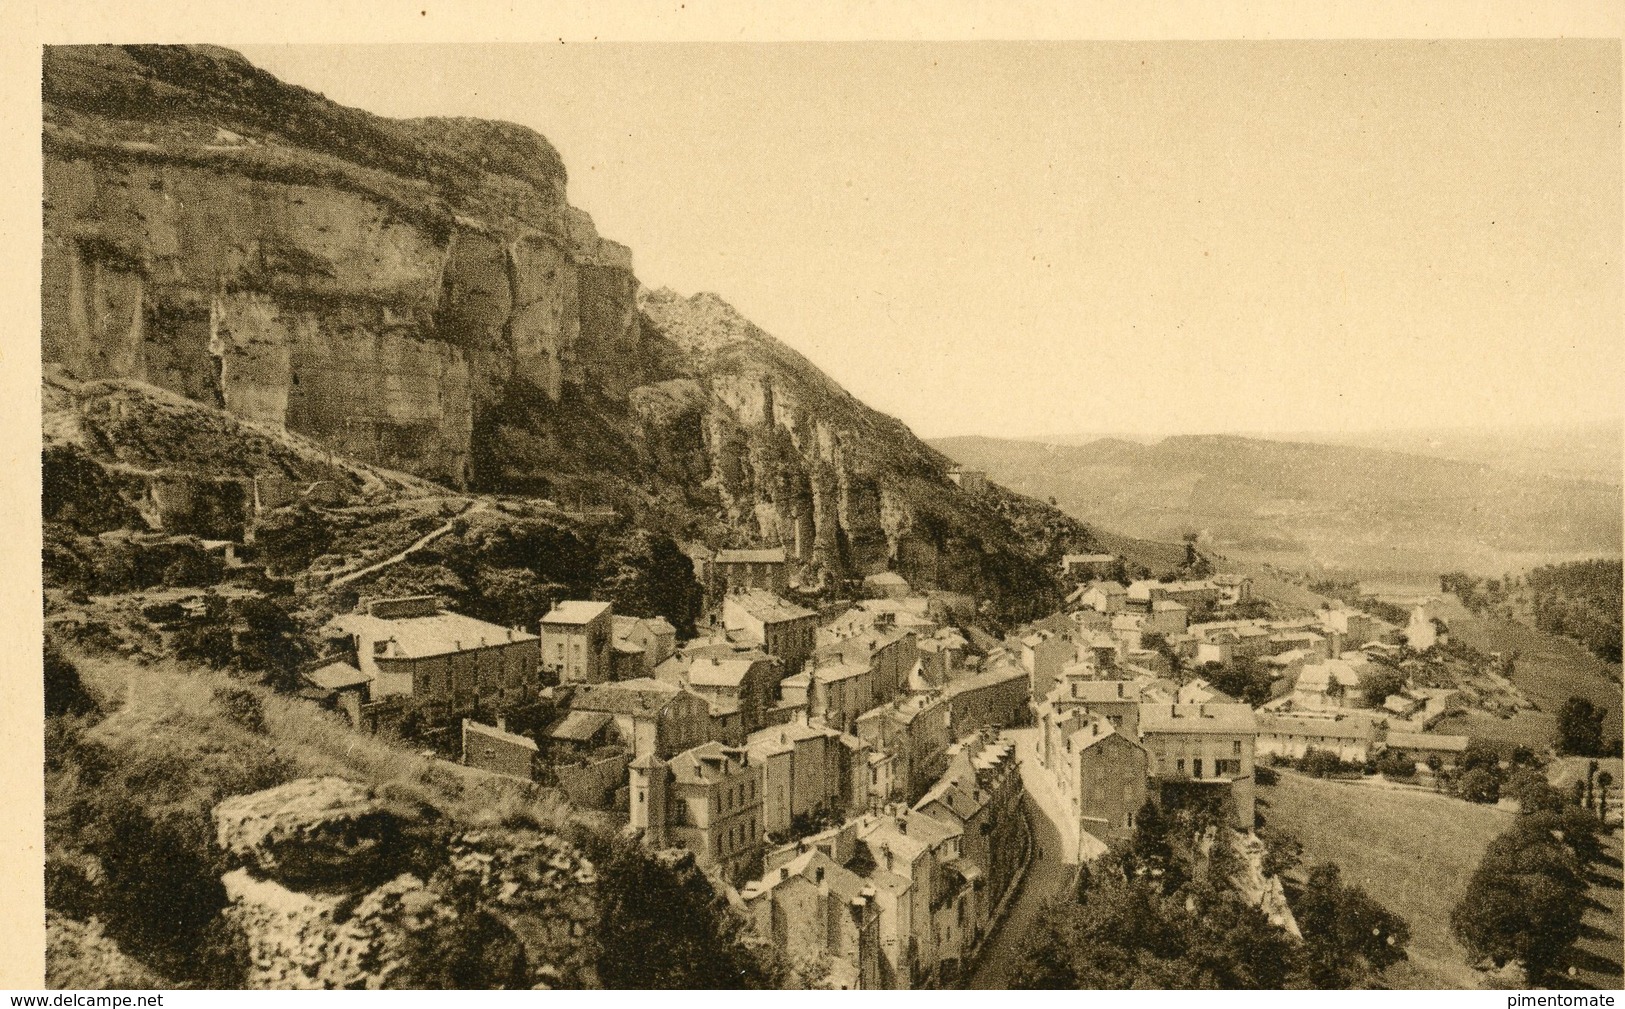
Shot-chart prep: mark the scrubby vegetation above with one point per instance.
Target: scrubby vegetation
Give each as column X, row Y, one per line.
column 1162, row 913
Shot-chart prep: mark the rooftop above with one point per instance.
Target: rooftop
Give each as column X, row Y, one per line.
column 1426, row 741
column 337, row 675
column 416, row 637
column 1228, row 719
column 575, row 612
column 767, row 607
column 626, row 697
column 709, row 762
column 492, row 732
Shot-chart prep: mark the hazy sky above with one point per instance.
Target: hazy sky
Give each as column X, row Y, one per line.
column 1011, row 239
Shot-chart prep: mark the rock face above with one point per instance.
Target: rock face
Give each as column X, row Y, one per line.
column 235, row 264
column 310, row 831
column 418, row 295
column 309, row 921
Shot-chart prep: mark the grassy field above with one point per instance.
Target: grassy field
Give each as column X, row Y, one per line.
column 1412, row 851
column 1549, row 671
column 1597, row 960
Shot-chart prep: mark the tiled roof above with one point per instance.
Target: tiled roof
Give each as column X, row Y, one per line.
column 579, row 726
column 626, row 697
column 492, row 732
column 767, row 607
column 1425, row 741
column 337, row 675
column 707, row 763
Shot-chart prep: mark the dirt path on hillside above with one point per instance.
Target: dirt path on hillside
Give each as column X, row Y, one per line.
column 477, row 506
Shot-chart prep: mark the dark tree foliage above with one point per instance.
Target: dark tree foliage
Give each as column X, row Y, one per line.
column 64, row 693
column 1479, row 785
column 1524, row 901
column 1128, row 934
column 1244, row 679
column 1528, row 786
column 664, row 926
column 1579, row 728
column 1580, row 600
column 1348, row 937
column 1380, row 683
column 248, row 634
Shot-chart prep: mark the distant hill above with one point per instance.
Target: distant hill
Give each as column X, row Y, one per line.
column 1362, row 510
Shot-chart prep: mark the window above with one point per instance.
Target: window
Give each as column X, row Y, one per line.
column 1180, row 765
column 1196, row 768
column 1235, row 748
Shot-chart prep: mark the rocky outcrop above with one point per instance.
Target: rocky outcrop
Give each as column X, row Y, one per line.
column 309, row 919
column 311, row 831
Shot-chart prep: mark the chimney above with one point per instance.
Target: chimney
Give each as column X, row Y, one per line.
column 818, row 874
column 784, row 874
column 902, row 825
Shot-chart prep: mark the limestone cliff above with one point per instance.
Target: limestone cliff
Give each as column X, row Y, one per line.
column 419, row 295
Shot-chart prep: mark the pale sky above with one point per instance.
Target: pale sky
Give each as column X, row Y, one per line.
column 1017, row 239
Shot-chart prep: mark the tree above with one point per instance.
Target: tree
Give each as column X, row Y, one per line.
column 1528, row 786
column 1604, row 779
column 1378, row 683
column 1579, row 728
column 1348, row 936
column 1479, row 785
column 662, row 925
column 1525, row 899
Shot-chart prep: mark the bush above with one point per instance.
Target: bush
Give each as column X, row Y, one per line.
column 241, row 706
column 1265, row 775
column 1396, row 764
column 1479, row 785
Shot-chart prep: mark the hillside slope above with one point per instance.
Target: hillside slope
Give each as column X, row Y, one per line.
column 418, row 295
column 1346, row 507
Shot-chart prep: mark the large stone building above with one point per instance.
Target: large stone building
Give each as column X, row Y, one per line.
column 650, row 716
column 1202, row 747
column 818, row 912
column 413, row 647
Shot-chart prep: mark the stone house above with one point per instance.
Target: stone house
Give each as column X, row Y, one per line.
column 707, row 799
column 1351, row 735
column 915, row 731
column 1202, row 746
column 743, row 682
column 492, row 748
column 650, row 716
column 1102, row 772
column 814, row 909
column 779, row 628
column 980, row 792
column 925, row 901
column 578, row 641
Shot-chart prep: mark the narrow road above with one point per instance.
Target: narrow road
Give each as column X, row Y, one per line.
column 1047, row 877
column 419, row 544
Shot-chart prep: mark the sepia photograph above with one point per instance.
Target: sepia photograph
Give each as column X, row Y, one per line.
column 857, row 514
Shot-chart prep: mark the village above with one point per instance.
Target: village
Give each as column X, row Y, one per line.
column 861, row 776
